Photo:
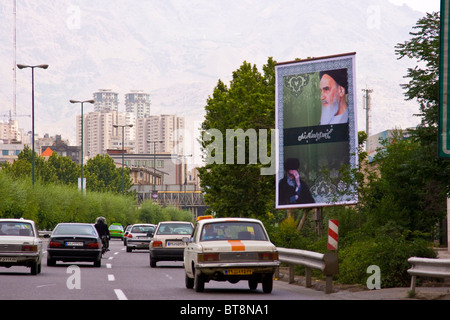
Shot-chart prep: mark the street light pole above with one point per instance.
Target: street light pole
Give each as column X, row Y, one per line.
column 154, row 160
column 185, row 178
column 123, row 150
column 82, row 128
column 42, row 66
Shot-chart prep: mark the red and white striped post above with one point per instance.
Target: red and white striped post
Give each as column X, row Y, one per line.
column 333, row 226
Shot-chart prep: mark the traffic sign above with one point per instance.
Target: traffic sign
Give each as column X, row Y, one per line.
column 444, row 84
column 333, row 234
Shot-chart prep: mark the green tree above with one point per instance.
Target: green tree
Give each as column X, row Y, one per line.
column 236, row 189
column 23, row 166
column 66, row 170
column 409, row 193
column 103, row 176
column 424, row 87
column 404, row 194
column 423, row 82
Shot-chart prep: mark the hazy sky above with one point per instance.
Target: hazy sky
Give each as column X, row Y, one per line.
column 420, row 5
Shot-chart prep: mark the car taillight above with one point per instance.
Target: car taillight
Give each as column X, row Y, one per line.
column 157, row 244
column 29, row 248
column 129, row 235
column 208, row 257
column 268, row 256
column 55, row 244
column 93, row 245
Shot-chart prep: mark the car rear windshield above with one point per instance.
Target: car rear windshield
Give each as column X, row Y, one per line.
column 9, row 228
column 142, row 229
column 115, row 227
column 236, row 230
column 75, row 230
column 174, row 228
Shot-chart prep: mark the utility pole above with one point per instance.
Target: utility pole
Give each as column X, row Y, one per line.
column 367, row 93
column 15, row 62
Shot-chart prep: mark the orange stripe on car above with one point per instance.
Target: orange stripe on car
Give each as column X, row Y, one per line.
column 236, row 245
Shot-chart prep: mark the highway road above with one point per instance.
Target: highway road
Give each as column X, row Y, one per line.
column 128, row 276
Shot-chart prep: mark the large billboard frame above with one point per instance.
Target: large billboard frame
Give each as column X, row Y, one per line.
column 444, row 83
column 308, row 151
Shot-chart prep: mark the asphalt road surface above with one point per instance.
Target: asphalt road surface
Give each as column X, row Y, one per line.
column 128, row 276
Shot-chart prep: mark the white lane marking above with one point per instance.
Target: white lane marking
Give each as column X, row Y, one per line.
column 46, row 285
column 120, row 295
column 108, row 266
column 116, row 252
column 111, row 277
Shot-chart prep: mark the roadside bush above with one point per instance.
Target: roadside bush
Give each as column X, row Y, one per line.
column 390, row 254
column 48, row 204
column 153, row 213
column 288, row 236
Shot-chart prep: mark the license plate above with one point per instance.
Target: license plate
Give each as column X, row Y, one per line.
column 74, row 244
column 238, row 272
column 175, row 244
column 8, row 259
column 144, row 238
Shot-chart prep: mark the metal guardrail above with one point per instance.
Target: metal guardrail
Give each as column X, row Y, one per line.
column 325, row 262
column 427, row 267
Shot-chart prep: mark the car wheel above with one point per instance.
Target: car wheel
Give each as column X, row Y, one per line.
column 50, row 262
column 199, row 282
column 152, row 262
column 189, row 282
column 35, row 268
column 98, row 262
column 252, row 284
column 267, row 283
column 129, row 249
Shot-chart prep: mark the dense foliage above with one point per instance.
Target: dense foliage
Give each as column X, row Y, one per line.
column 100, row 172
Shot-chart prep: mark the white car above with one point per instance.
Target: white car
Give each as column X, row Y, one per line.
column 230, row 249
column 167, row 243
column 20, row 244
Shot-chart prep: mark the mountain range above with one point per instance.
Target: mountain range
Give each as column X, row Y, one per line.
column 177, row 50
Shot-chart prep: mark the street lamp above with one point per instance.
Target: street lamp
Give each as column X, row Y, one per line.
column 185, row 178
column 82, row 102
column 42, row 66
column 154, row 160
column 123, row 146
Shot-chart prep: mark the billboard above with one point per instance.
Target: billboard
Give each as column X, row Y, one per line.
column 444, row 83
column 317, row 140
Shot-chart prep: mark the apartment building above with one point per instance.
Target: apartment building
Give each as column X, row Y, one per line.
column 106, row 100
column 159, row 134
column 137, row 102
column 10, row 131
column 99, row 133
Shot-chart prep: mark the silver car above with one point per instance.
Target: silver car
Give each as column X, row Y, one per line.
column 20, row 244
column 139, row 236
